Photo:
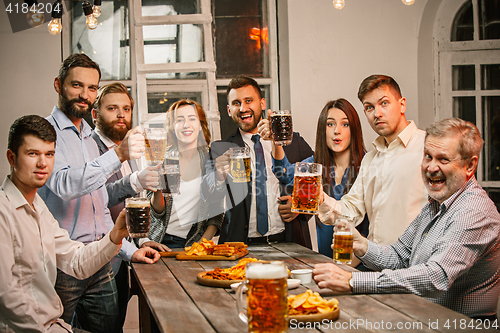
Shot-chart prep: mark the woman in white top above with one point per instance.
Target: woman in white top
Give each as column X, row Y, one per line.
column 180, row 220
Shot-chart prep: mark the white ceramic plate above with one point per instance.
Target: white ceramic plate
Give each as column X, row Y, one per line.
column 293, row 283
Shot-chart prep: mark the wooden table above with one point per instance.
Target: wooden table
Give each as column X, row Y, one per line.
column 169, row 291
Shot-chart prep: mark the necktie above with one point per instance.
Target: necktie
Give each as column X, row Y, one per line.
column 260, row 186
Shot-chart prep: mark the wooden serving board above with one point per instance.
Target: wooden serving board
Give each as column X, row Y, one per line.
column 317, row 317
column 237, row 255
column 201, row 279
column 171, row 254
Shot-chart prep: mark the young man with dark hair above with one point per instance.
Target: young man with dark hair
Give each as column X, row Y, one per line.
column 253, row 209
column 32, row 243
column 389, row 188
column 76, row 194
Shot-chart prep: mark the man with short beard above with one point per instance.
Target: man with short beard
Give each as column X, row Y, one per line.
column 76, row 196
column 245, row 220
column 112, row 115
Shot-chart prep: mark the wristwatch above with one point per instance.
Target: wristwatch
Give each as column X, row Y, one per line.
column 351, row 283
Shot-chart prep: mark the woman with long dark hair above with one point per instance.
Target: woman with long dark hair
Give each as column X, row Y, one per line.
column 339, row 148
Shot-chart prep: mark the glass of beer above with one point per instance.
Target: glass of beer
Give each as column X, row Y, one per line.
column 240, row 164
column 267, row 307
column 306, row 187
column 343, row 239
column 138, row 219
column 281, row 126
column 156, row 145
column 170, row 179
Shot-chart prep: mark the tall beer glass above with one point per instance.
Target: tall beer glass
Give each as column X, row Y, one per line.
column 306, row 188
column 138, row 219
column 343, row 239
column 282, row 127
column 267, row 307
column 170, row 179
column 240, row 164
column 156, row 145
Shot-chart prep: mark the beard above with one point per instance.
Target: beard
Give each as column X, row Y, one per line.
column 109, row 130
column 70, row 108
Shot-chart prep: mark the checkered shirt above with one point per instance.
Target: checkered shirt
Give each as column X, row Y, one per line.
column 450, row 254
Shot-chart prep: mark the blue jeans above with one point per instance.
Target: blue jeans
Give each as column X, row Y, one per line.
column 173, row 242
column 94, row 300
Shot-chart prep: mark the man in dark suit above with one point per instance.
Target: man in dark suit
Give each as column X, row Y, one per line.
column 253, row 209
column 112, row 115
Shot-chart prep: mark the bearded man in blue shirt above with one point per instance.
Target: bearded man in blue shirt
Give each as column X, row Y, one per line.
column 76, row 194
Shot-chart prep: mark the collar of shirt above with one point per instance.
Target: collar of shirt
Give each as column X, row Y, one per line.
column 63, row 122
column 15, row 196
column 107, row 141
column 404, row 137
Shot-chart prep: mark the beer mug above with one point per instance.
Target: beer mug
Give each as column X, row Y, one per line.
column 306, row 187
column 137, row 219
column 156, row 145
column 267, row 305
column 282, row 127
column 343, row 239
column 240, row 164
column 170, row 179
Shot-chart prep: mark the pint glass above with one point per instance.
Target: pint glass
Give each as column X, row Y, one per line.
column 282, row 127
column 306, row 188
column 343, row 239
column 240, row 164
column 267, row 307
column 170, row 179
column 156, row 144
column 138, row 219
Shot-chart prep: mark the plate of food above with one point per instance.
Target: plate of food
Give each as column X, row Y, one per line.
column 223, row 278
column 311, row 307
column 208, row 250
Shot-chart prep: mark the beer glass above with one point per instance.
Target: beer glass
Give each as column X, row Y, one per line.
column 171, row 157
column 138, row 219
column 170, row 179
column 156, row 144
column 343, row 239
column 306, row 187
column 281, row 126
column 267, row 306
column 240, row 164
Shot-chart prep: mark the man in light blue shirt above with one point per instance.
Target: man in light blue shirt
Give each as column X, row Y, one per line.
column 76, row 193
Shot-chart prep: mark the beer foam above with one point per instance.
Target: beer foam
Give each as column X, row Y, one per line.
column 307, row 174
column 344, row 233
column 137, row 203
column 265, row 271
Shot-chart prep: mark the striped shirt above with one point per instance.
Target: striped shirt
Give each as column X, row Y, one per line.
column 450, row 254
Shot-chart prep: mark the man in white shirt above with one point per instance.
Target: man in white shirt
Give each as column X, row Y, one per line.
column 32, row 243
column 112, row 116
column 389, row 188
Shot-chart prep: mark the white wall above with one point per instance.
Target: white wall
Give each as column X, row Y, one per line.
column 331, row 51
column 29, row 61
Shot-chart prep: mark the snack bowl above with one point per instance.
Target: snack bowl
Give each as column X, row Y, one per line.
column 304, row 275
